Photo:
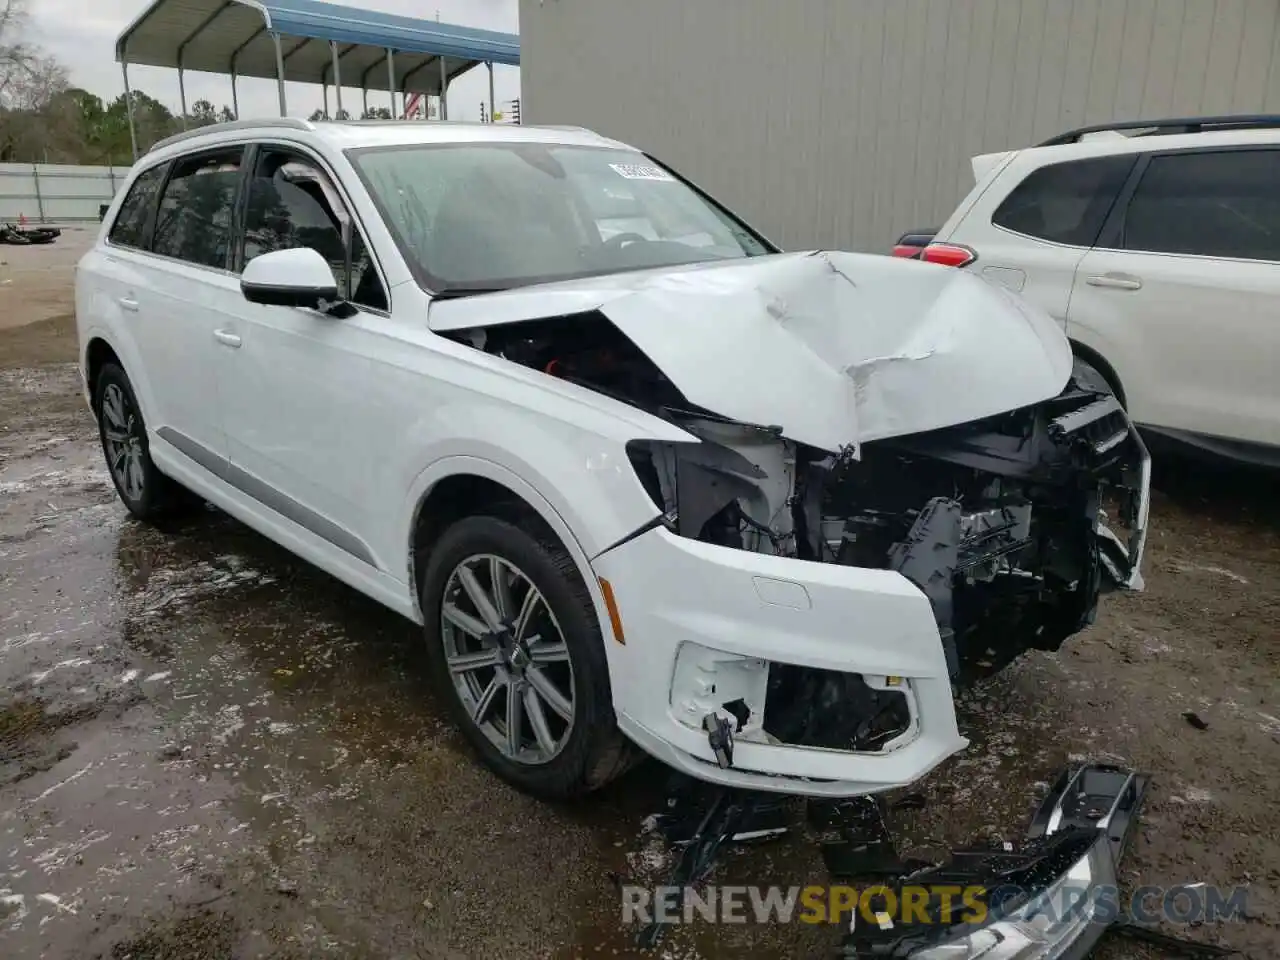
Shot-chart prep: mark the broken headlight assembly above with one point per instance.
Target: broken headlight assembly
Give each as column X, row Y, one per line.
column 1047, row 927
column 1051, row 900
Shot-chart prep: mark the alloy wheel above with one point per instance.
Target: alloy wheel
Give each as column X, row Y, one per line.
column 508, row 659
column 122, row 436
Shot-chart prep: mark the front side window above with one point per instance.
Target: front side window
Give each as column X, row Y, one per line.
column 196, row 209
column 484, row 216
column 292, row 203
column 1065, row 202
column 134, row 218
column 1222, row 204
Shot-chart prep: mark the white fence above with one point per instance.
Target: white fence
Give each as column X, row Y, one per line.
column 56, row 193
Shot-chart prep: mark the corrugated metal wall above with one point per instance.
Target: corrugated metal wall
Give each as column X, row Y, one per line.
column 56, row 193
column 844, row 122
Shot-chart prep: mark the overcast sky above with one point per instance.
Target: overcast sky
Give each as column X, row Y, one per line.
column 82, row 36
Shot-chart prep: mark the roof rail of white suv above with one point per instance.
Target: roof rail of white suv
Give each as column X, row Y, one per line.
column 1171, row 126
column 276, row 123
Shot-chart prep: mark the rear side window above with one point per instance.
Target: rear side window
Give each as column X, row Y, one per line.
column 1065, row 202
column 130, row 227
column 196, row 209
column 1223, row 204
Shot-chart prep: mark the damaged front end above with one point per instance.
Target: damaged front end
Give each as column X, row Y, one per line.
column 1004, row 524
column 907, row 426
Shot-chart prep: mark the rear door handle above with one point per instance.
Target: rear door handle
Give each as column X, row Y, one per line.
column 1116, row 281
column 227, row 338
column 128, row 303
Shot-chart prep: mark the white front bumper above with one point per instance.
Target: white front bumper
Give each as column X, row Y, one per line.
column 670, row 591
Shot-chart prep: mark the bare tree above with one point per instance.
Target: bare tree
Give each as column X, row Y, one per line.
column 29, row 80
column 28, row 76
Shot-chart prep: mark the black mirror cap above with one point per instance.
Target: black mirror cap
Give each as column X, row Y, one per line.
column 305, row 297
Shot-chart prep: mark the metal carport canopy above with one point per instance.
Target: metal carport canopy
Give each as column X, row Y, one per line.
column 308, row 41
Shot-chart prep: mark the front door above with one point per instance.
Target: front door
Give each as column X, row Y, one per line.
column 298, row 391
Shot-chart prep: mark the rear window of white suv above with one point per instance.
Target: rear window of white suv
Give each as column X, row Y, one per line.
column 1065, row 202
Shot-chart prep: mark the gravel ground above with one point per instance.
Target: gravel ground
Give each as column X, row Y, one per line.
column 210, row 750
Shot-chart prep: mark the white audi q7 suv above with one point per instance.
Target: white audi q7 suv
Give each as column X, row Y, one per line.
column 643, row 479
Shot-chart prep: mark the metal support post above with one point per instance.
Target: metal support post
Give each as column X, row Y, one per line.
column 128, row 105
column 284, row 103
column 391, row 80
column 337, row 78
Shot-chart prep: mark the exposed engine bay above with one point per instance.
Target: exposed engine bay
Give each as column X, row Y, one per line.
column 1002, row 523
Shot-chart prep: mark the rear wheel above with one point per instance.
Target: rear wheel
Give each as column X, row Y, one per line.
column 145, row 491
column 515, row 646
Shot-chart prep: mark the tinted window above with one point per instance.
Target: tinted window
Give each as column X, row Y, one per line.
column 291, row 204
column 1216, row 204
column 130, row 228
column 196, row 209
column 1065, row 202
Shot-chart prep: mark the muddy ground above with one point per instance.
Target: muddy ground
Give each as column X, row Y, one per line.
column 210, row 750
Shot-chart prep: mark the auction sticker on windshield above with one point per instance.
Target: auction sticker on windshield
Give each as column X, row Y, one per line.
column 640, row 171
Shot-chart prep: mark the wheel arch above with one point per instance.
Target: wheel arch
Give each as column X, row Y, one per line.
column 1099, row 363
column 97, row 353
column 465, row 486
column 100, row 348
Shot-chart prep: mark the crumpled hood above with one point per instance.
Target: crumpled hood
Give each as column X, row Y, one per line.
column 835, row 348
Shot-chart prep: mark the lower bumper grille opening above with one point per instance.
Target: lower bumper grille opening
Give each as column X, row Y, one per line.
column 806, row 707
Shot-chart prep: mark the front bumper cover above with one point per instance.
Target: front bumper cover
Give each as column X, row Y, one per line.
column 672, row 592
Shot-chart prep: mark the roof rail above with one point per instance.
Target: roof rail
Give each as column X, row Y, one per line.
column 288, row 123
column 1172, row 126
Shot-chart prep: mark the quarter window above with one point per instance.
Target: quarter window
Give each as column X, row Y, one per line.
column 1065, row 202
column 1220, row 204
column 130, row 227
column 196, row 209
column 292, row 204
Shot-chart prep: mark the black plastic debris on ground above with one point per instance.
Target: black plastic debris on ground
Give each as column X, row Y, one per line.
column 700, row 821
column 1195, row 720
column 1088, row 806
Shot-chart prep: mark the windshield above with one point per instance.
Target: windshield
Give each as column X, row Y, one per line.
column 487, row 216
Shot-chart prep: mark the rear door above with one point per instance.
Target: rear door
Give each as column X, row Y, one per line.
column 168, row 293
column 1182, row 295
column 1033, row 239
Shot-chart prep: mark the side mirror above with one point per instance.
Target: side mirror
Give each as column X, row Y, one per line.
column 290, row 278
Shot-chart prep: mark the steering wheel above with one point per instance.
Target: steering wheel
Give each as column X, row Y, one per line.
column 620, row 240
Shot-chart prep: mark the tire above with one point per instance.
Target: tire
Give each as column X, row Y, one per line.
column 559, row 757
column 147, row 493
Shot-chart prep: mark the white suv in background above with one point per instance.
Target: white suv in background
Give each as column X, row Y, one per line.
column 1157, row 245
column 641, row 478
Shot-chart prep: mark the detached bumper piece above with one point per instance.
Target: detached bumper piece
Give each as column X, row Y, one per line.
column 1037, row 903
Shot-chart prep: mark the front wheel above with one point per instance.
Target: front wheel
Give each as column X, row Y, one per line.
column 514, row 644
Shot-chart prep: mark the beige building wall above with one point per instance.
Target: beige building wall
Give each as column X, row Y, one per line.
column 841, row 123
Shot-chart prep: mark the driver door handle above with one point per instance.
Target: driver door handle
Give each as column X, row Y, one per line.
column 227, row 338
column 1116, row 281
